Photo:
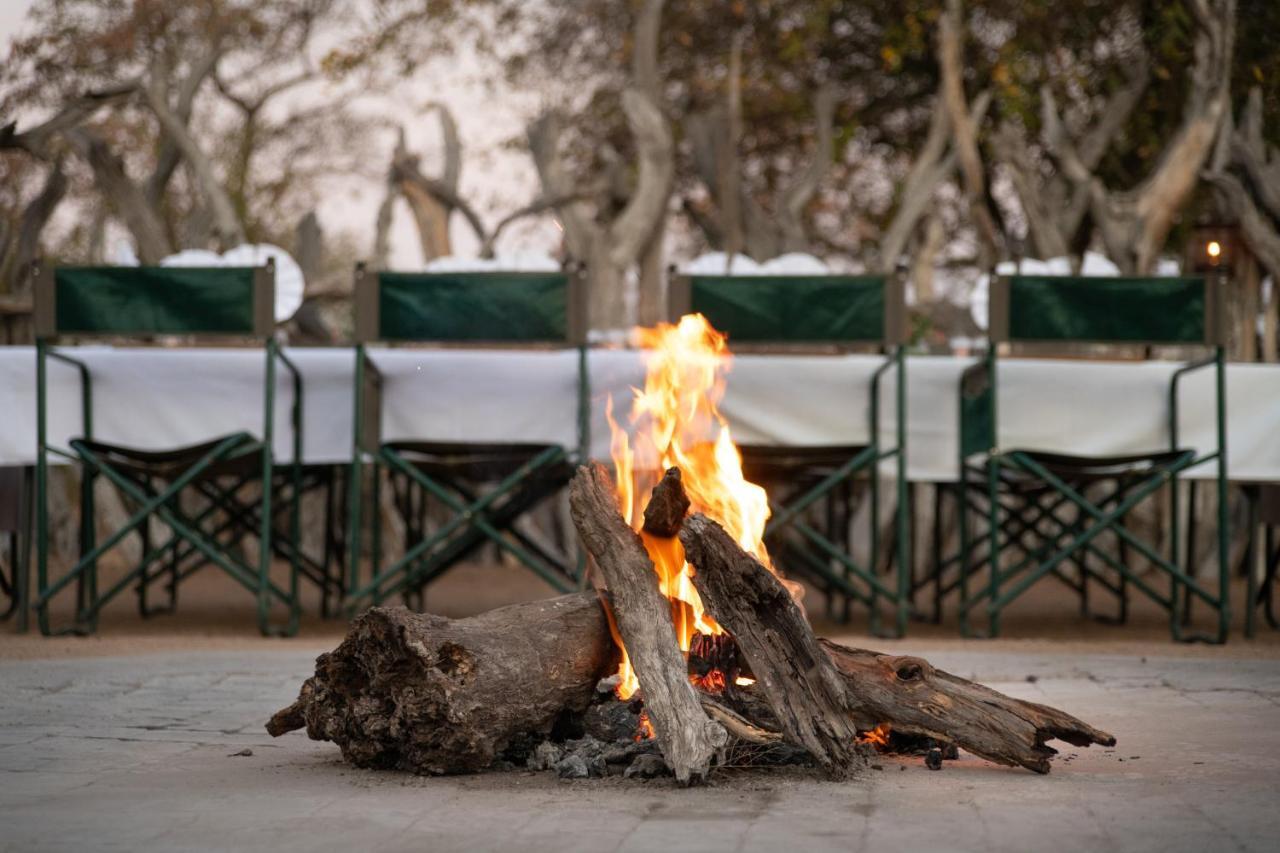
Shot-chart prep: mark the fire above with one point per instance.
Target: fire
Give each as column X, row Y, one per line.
column 675, row 421
column 712, row 682
column 644, row 731
column 877, row 737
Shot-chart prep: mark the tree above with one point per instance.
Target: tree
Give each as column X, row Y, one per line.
column 181, row 117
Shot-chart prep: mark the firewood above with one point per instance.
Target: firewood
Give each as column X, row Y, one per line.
column 803, row 687
column 689, row 740
column 667, row 506
column 912, row 697
column 905, row 693
column 433, row 695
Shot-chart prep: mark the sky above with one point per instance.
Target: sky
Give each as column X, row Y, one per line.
column 494, row 179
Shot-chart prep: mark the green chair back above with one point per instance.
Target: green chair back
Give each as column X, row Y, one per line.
column 469, row 307
column 141, row 301
column 1125, row 310
column 787, row 309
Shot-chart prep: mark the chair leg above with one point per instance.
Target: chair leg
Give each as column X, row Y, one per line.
column 1192, row 545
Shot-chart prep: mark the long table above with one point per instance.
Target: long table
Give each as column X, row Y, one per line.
column 163, row 398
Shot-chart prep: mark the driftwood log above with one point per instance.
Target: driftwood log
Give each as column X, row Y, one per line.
column 906, row 693
column 433, row 695
column 689, row 740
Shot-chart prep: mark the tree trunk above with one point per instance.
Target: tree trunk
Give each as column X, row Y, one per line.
column 433, row 695
column 690, row 741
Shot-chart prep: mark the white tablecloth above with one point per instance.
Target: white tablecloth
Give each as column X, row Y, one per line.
column 163, row 398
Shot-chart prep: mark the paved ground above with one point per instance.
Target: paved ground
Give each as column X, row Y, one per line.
column 139, row 753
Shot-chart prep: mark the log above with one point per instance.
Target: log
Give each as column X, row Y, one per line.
column 913, row 697
column 667, row 506
column 906, row 693
column 427, row 694
column 690, row 741
column 802, row 686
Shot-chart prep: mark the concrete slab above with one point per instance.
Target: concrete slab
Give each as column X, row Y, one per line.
column 138, row 753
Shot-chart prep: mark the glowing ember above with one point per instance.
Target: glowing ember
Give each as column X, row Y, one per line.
column 877, row 737
column 645, row 730
column 675, row 421
column 712, row 682
column 743, row 681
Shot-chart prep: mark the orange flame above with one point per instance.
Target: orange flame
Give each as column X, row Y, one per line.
column 644, row 731
column 675, row 421
column 877, row 737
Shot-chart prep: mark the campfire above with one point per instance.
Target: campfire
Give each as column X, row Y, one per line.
column 692, row 652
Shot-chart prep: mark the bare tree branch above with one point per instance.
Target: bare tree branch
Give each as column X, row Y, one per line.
column 965, row 137
column 796, row 197
column 933, row 164
column 123, row 195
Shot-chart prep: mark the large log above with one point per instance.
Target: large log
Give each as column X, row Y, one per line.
column 689, row 740
column 905, row 693
column 912, row 697
column 433, row 695
column 802, row 686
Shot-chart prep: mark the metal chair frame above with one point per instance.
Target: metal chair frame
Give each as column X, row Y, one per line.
column 190, row 534
column 478, row 516
column 999, row 467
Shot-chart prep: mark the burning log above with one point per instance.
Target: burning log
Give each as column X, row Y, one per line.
column 870, row 689
column 913, row 698
column 433, row 695
column 667, row 506
column 689, row 740
column 801, row 684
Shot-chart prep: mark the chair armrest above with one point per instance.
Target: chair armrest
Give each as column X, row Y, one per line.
column 86, row 388
column 1189, row 367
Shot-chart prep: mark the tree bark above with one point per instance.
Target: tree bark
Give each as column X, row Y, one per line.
column 912, row 697
column 690, row 741
column 433, row 695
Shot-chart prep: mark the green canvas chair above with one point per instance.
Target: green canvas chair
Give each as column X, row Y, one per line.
column 483, row 488
column 811, row 488
column 1045, row 513
column 209, row 303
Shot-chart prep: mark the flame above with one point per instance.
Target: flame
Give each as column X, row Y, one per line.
column 712, row 682
column 877, row 737
column 675, row 421
column 644, row 731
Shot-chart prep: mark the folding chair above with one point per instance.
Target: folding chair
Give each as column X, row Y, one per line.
column 217, row 303
column 1044, row 512
column 484, row 489
column 811, row 488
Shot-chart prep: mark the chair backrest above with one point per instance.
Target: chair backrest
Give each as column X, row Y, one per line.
column 796, row 309
column 109, row 301
column 470, row 307
column 1125, row 310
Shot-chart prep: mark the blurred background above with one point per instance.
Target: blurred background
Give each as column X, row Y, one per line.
column 1098, row 135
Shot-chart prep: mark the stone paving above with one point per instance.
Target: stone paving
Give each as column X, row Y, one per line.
column 144, row 753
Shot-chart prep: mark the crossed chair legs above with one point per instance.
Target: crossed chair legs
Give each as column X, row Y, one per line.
column 188, row 537
column 1038, row 514
column 476, row 518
